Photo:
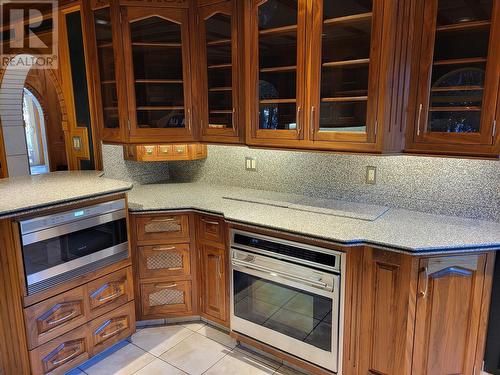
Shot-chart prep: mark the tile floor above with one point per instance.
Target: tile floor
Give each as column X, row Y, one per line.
column 189, row 348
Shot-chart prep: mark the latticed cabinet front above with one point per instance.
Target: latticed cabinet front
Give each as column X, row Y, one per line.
column 164, row 260
column 167, row 297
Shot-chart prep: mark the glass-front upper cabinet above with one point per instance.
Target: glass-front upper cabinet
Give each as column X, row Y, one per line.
column 344, row 58
column 220, row 73
column 276, row 62
column 156, row 52
column 458, row 76
column 111, row 124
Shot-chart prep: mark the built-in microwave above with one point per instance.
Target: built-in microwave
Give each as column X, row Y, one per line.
column 65, row 245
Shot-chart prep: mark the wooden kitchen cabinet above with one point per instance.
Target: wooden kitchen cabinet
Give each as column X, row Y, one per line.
column 456, row 64
column 423, row 315
column 220, row 73
column 214, row 284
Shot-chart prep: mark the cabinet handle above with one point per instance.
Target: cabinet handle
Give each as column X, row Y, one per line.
column 189, row 120
column 72, row 355
column 298, row 119
column 419, row 117
column 423, row 292
column 66, row 317
column 163, row 286
column 162, row 220
column 232, row 118
column 210, row 221
column 106, row 335
column 458, row 271
column 494, row 128
column 312, row 121
column 114, row 295
column 160, row 248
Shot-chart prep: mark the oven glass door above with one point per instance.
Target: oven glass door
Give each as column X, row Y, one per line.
column 295, row 313
column 50, row 254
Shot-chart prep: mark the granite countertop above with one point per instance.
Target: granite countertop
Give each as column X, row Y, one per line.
column 394, row 229
column 29, row 193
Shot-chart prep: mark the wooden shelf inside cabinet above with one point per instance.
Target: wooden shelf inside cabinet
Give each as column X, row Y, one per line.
column 105, row 45
column 279, row 69
column 345, row 99
column 455, row 109
column 148, row 153
column 279, row 30
column 457, row 88
column 108, row 82
column 349, row 20
column 465, row 26
column 219, row 42
column 469, row 60
column 221, row 111
column 277, row 101
column 220, row 89
column 335, row 64
column 220, row 66
column 160, row 81
column 153, row 44
column 161, row 108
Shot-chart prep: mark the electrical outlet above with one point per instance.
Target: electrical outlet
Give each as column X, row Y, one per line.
column 250, row 164
column 371, row 175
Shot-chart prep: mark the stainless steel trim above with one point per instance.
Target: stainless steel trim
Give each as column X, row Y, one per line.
column 76, row 263
column 74, row 226
column 40, row 222
column 336, row 254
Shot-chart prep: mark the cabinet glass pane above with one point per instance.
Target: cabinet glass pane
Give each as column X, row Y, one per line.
column 345, row 58
column 219, row 71
column 278, row 64
column 458, row 71
column 105, row 57
column 157, row 58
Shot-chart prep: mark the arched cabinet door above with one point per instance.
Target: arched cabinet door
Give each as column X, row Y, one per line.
column 276, row 72
column 220, row 73
column 157, row 60
column 456, row 77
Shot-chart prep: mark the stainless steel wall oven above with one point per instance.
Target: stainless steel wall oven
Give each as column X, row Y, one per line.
column 288, row 295
column 61, row 246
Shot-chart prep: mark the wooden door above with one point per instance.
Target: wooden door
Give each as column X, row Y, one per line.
column 344, row 63
column 275, row 71
column 458, row 70
column 213, row 279
column 220, row 75
column 108, row 74
column 157, row 61
column 449, row 300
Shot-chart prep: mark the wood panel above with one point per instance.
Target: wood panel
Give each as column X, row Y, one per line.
column 211, row 229
column 164, row 261
column 165, row 152
column 213, row 278
column 166, row 299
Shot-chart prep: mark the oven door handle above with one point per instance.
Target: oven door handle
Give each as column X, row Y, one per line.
column 286, row 275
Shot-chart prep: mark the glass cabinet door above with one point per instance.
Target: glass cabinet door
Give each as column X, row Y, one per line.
column 343, row 93
column 459, row 67
column 106, row 67
column 157, row 63
column 278, row 65
column 219, row 64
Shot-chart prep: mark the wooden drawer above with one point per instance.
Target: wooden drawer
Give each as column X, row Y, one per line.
column 61, row 354
column 109, row 292
column 180, row 150
column 170, row 297
column 164, row 261
column 163, row 228
column 165, row 150
column 148, row 153
column 115, row 326
column 55, row 316
column 211, row 229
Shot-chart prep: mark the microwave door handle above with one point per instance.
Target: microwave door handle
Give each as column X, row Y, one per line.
column 280, row 273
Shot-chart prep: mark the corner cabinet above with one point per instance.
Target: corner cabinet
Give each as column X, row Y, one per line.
column 316, row 77
column 220, row 72
column 455, row 106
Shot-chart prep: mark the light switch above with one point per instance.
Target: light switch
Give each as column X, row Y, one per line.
column 371, row 175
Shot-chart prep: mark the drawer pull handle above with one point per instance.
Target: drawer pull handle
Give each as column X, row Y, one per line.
column 71, row 356
column 159, row 248
column 210, row 222
column 107, row 298
column 163, row 220
column 174, row 268
column 60, row 320
column 106, row 335
column 163, row 286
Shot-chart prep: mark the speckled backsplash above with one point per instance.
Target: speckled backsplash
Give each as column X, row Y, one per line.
column 450, row 186
column 140, row 173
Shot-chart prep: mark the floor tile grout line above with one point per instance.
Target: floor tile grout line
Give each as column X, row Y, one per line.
column 224, row 356
column 161, row 359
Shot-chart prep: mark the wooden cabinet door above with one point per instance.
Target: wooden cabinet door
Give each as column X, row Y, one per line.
column 220, row 75
column 458, row 70
column 275, row 58
column 449, row 300
column 344, row 58
column 213, row 279
column 107, row 70
column 157, row 63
